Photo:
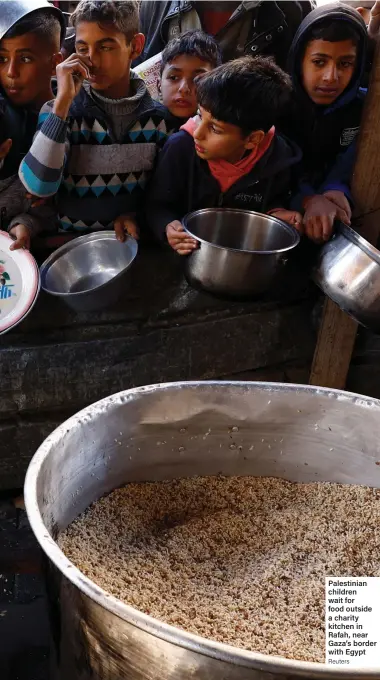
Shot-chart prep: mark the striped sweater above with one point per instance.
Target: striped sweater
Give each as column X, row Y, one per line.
column 96, row 161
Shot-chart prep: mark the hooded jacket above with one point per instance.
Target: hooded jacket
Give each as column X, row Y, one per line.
column 255, row 27
column 183, row 182
column 325, row 133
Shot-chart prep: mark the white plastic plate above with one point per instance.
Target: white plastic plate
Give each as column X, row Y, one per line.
column 19, row 283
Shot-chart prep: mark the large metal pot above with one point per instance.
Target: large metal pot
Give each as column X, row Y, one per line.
column 239, row 251
column 88, row 273
column 348, row 271
column 299, row 433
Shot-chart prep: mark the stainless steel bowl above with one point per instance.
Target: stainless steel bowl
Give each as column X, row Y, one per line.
column 239, row 251
column 13, row 11
column 88, row 273
column 296, row 432
column 348, row 271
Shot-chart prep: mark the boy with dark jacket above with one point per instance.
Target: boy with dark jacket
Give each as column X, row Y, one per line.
column 229, row 155
column 327, row 61
column 97, row 141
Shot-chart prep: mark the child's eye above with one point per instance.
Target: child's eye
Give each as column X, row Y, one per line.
column 106, row 49
column 319, row 62
column 173, row 78
column 3, row 60
column 215, row 130
column 26, row 60
column 346, row 64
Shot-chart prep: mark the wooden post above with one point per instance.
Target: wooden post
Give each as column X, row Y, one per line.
column 337, row 333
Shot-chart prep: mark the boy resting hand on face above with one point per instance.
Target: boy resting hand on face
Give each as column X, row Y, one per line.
column 97, row 141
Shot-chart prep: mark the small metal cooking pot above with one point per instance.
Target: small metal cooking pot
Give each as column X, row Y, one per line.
column 239, row 251
column 88, row 273
column 348, row 271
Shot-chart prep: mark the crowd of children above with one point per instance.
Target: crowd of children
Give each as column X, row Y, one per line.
column 103, row 154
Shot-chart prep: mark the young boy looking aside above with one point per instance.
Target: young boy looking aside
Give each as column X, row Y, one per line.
column 29, row 54
column 98, row 139
column 182, row 60
column 230, row 154
column 327, row 62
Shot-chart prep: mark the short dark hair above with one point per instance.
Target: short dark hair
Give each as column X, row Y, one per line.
column 195, row 44
column 121, row 14
column 42, row 23
column 250, row 92
column 333, row 31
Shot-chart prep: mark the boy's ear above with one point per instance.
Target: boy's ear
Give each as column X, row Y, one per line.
column 137, row 42
column 5, row 148
column 254, row 139
column 57, row 59
column 365, row 13
column 159, row 90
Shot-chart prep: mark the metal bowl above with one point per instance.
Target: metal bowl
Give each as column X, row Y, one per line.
column 348, row 271
column 88, row 273
column 239, row 251
column 300, row 433
column 13, row 11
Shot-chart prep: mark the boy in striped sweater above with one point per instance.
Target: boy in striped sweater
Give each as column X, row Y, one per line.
column 97, row 141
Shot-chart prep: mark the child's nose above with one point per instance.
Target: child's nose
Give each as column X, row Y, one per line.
column 12, row 71
column 199, row 131
column 331, row 73
column 93, row 58
column 184, row 86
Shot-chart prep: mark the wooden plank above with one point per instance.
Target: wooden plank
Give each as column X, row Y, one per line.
column 334, row 348
column 337, row 333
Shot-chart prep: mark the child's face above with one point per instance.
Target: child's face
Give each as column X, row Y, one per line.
column 215, row 140
column 26, row 68
column 177, row 84
column 327, row 69
column 109, row 56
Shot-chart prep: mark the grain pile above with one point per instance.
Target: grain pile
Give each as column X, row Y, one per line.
column 238, row 560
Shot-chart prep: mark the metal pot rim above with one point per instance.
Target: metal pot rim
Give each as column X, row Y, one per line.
column 351, row 235
column 291, row 230
column 169, row 633
column 44, row 268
